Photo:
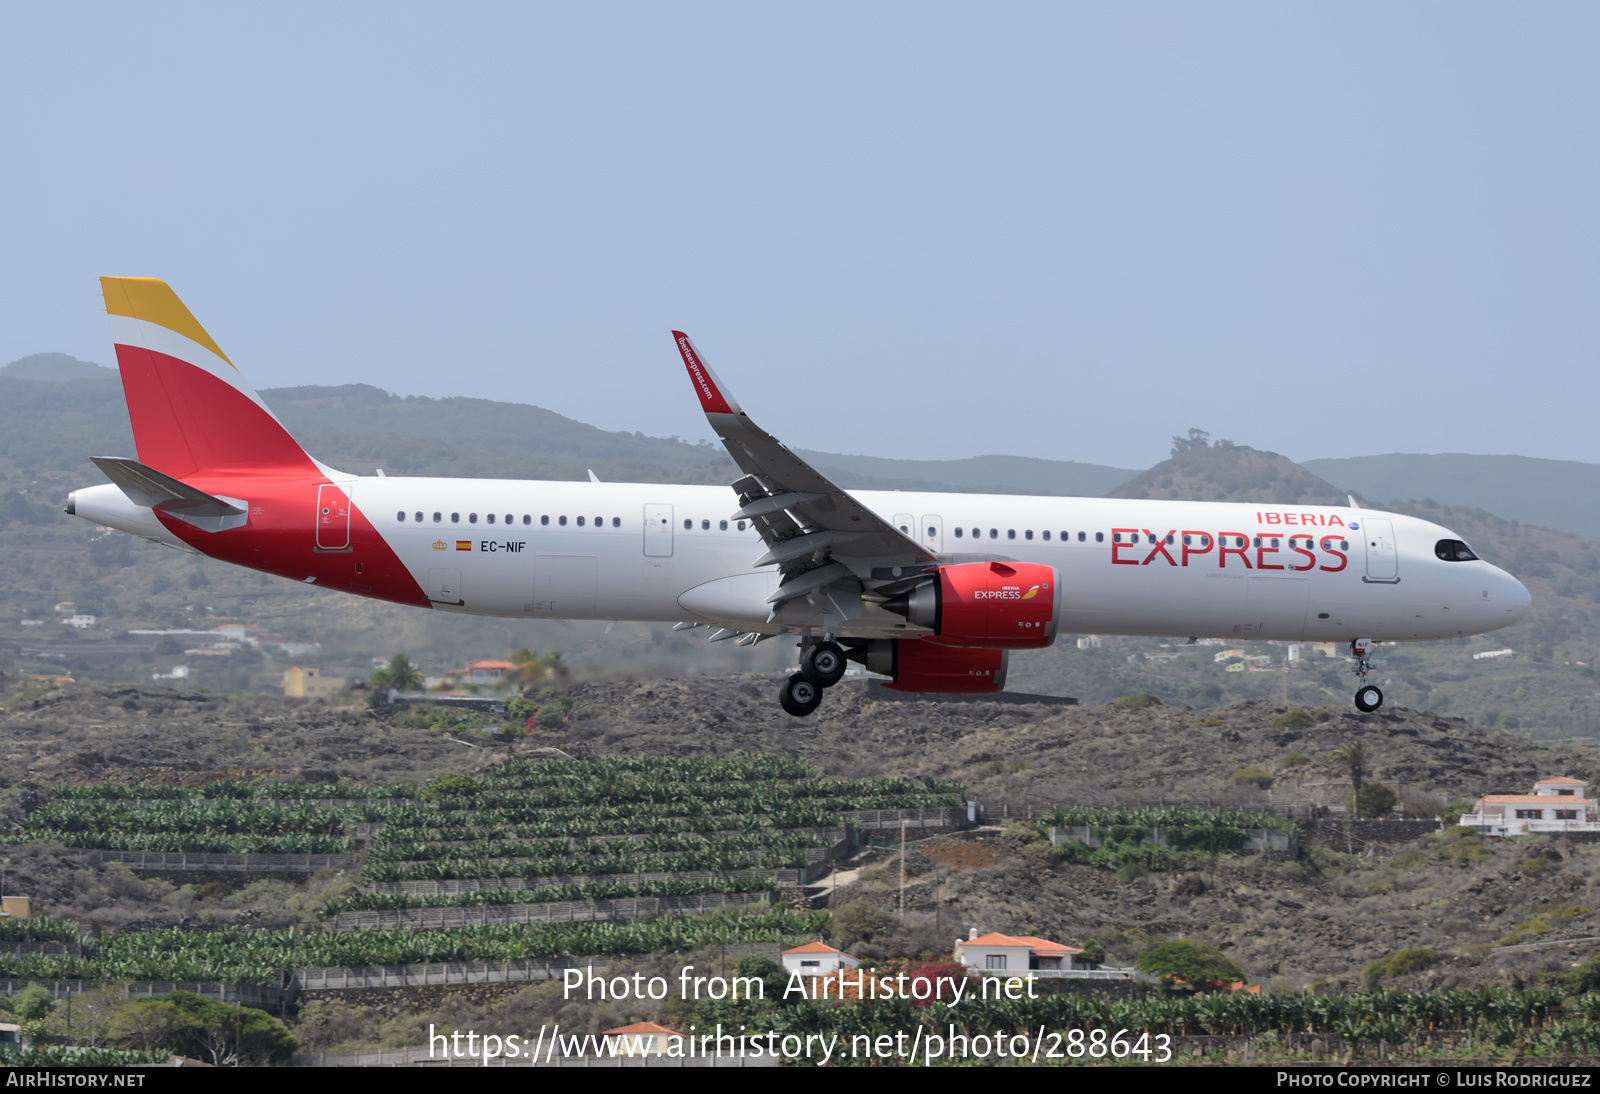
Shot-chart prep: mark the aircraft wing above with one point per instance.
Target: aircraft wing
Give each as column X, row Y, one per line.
column 814, row 532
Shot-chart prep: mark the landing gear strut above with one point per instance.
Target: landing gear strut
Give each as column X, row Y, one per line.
column 1368, row 696
column 822, row 665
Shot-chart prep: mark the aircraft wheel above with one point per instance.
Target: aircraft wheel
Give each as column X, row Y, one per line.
column 823, row 663
column 799, row 696
column 1368, row 699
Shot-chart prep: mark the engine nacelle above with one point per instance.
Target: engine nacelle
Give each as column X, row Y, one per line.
column 991, row 605
column 921, row 666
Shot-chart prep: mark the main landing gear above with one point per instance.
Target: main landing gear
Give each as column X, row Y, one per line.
column 822, row 665
column 1368, row 696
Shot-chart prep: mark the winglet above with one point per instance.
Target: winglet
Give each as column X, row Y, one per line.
column 713, row 399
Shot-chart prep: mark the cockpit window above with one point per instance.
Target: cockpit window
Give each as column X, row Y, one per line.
column 1453, row 550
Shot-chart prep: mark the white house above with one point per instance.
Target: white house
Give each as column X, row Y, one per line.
column 817, row 958
column 1556, row 805
column 1015, row 954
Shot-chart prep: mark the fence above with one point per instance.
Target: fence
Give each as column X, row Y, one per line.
column 1256, row 839
column 260, row 996
column 512, row 971
column 189, row 860
column 457, row 886
column 949, row 816
column 45, row 949
column 585, row 911
column 421, row 1057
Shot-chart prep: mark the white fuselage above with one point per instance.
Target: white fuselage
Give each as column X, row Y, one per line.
column 670, row 553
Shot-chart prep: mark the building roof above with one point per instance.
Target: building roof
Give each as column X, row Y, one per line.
column 1563, row 780
column 645, row 1027
column 1041, row 946
column 1532, row 799
column 814, row 947
column 492, row 665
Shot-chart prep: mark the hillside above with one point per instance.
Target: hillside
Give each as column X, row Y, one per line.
column 1553, row 493
column 1320, row 919
column 1229, row 472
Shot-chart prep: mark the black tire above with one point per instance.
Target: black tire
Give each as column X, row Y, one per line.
column 799, row 696
column 823, row 663
column 1368, row 699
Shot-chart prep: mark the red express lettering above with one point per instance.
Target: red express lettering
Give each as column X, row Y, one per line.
column 1311, row 559
column 1161, row 548
column 1117, row 546
column 1223, row 550
column 1261, row 557
column 1330, row 546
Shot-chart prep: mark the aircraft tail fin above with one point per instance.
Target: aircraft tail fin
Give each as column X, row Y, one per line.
column 193, row 413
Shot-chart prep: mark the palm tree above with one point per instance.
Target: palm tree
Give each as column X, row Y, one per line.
column 399, row 674
column 1352, row 757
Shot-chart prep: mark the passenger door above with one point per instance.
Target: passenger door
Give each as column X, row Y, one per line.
column 1383, row 555
column 333, row 518
column 932, row 533
column 658, row 531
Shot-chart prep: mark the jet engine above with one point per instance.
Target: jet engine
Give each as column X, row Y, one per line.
column 921, row 666
column 990, row 605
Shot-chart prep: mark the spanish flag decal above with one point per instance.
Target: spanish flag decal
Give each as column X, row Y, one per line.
column 463, row 545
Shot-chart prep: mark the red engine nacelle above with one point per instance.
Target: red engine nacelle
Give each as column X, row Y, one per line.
column 920, row 666
column 992, row 605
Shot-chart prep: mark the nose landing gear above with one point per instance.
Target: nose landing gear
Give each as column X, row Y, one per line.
column 822, row 665
column 1368, row 696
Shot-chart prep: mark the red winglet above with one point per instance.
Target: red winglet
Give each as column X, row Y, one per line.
column 705, row 382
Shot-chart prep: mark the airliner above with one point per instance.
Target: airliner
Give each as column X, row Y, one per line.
column 930, row 591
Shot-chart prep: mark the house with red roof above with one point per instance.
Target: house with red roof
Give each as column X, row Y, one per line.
column 817, row 959
column 642, row 1038
column 1012, row 954
column 1556, row 805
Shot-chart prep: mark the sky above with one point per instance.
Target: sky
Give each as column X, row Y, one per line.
column 921, row 230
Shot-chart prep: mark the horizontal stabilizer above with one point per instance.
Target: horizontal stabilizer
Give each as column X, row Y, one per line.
column 150, row 488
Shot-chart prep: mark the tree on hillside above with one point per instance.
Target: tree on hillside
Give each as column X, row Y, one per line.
column 1197, row 438
column 1352, row 759
column 399, row 674
column 1192, row 964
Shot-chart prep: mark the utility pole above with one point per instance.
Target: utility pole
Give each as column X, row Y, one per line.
column 903, row 866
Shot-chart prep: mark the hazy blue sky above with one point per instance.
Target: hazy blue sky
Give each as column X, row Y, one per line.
column 927, row 230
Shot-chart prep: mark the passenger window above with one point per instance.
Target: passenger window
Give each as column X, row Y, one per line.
column 526, row 519
column 580, row 522
column 932, row 532
column 472, row 518
column 561, row 521
column 401, row 517
column 508, row 518
column 958, row 533
column 419, row 518
column 994, row 533
column 437, row 517
column 741, row 526
column 977, row 533
column 1116, row 537
column 1274, row 541
column 599, row 522
column 1169, row 540
column 1099, row 537
column 455, row 518
column 705, row 526
column 616, row 522
column 1148, row 537
column 544, row 520
column 1045, row 533
column 1011, row 533
column 1081, row 536
column 904, row 531
column 722, row 525
column 489, row 518
column 1187, row 541
column 688, row 524
column 1257, row 542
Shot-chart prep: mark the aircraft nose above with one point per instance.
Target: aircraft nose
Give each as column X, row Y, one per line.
column 1514, row 594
